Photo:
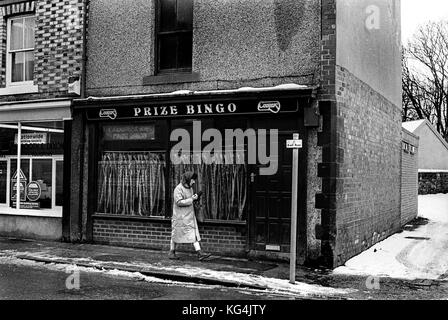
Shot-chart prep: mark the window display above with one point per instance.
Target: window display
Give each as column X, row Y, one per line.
column 36, row 183
column 135, row 175
column 132, row 183
column 41, row 168
column 224, row 188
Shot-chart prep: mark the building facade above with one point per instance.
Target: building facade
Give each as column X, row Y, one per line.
column 432, row 158
column 161, row 70
column 409, row 177
column 41, row 47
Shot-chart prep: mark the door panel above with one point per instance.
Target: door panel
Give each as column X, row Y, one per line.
column 272, row 202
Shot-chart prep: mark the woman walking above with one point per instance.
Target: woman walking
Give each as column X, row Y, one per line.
column 184, row 224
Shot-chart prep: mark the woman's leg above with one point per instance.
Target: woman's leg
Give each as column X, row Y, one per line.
column 172, row 245
column 197, row 246
column 172, row 254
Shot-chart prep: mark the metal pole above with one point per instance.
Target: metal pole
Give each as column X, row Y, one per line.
column 294, row 197
column 19, row 155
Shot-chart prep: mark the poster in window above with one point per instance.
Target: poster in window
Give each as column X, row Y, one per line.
column 129, row 132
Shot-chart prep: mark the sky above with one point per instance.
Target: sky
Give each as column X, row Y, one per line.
column 417, row 12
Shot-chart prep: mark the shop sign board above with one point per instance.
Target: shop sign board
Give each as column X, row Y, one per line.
column 129, row 132
column 33, row 138
column 27, row 205
column 22, row 176
column 195, row 109
column 23, row 182
column 22, row 191
column 34, row 191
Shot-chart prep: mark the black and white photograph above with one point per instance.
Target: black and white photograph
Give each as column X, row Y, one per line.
column 223, row 155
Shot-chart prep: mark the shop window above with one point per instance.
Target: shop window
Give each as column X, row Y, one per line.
column 20, row 50
column 224, row 187
column 175, row 35
column 37, row 180
column 132, row 184
column 42, row 174
column 132, row 170
column 24, row 179
column 224, row 181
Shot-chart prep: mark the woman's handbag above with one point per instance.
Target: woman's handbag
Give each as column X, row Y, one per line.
column 198, row 210
column 199, row 213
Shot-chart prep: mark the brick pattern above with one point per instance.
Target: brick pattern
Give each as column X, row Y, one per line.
column 328, row 171
column 6, row 11
column 325, row 232
column 432, row 183
column 409, row 179
column 223, row 240
column 368, row 208
column 328, row 50
column 58, row 45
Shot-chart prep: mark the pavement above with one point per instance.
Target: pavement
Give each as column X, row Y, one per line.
column 409, row 265
column 265, row 276
column 216, row 270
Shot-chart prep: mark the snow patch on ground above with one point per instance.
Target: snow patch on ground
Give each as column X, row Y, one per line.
column 272, row 285
column 417, row 254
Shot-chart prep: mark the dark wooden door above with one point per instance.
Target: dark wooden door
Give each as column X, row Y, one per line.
column 271, row 195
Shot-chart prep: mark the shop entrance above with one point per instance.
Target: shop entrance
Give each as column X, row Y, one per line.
column 271, row 196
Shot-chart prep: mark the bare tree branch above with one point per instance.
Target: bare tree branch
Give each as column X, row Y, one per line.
column 425, row 76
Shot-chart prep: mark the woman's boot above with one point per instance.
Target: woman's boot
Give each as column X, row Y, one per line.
column 172, row 255
column 202, row 255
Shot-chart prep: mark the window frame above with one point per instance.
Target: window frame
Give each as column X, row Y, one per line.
column 159, row 34
column 9, row 52
column 55, row 211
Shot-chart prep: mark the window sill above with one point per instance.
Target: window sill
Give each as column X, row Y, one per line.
column 175, row 77
column 19, row 90
column 166, row 220
column 44, row 213
column 124, row 217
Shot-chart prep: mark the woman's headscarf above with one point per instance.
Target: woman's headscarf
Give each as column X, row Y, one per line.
column 187, row 177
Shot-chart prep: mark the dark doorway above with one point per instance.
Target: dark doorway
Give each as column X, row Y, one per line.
column 271, row 194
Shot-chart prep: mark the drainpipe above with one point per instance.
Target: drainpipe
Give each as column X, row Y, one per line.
column 81, row 235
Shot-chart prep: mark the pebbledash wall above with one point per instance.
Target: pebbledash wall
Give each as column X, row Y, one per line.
column 409, row 176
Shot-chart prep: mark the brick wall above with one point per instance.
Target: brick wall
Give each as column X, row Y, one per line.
column 432, row 182
column 223, row 240
column 328, row 50
column 58, row 45
column 369, row 137
column 409, row 179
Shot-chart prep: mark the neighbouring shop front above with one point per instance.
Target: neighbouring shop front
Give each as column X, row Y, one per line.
column 32, row 169
column 138, row 147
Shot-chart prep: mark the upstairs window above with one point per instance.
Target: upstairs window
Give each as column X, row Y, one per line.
column 175, row 35
column 20, row 50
